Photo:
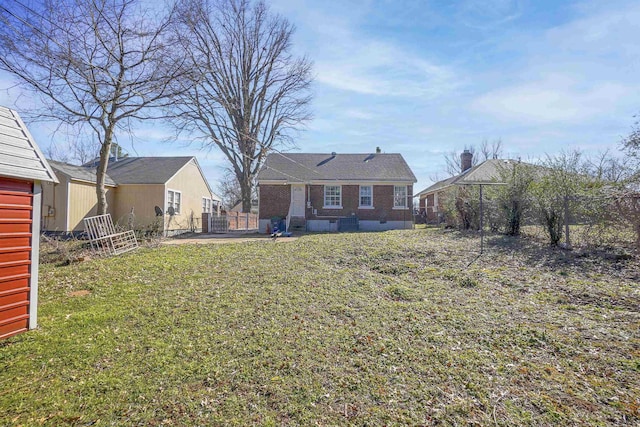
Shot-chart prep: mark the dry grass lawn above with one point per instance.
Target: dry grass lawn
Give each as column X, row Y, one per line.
column 344, row 329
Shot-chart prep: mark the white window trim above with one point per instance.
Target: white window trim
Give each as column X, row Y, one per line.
column 324, row 198
column 406, row 197
column 360, row 198
column 208, row 207
column 174, row 198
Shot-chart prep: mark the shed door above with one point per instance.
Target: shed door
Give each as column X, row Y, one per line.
column 16, row 207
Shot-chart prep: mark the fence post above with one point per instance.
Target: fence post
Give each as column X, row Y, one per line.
column 567, row 241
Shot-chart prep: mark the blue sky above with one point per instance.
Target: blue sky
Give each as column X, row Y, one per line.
column 424, row 78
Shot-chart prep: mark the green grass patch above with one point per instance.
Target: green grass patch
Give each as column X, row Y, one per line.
column 392, row 328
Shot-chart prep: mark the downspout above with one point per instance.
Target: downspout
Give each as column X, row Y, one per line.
column 67, row 213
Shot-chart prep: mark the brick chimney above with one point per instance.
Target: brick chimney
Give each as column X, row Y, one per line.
column 466, row 159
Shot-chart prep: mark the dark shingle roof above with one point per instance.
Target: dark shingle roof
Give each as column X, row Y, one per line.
column 146, row 170
column 307, row 167
column 80, row 173
column 20, row 156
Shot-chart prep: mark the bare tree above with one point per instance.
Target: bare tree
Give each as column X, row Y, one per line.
column 98, row 63
column 248, row 93
column 488, row 150
column 75, row 151
column 632, row 142
column 609, row 168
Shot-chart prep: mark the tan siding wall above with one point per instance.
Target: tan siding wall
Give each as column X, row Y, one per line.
column 143, row 198
column 84, row 203
column 54, row 196
column 190, row 182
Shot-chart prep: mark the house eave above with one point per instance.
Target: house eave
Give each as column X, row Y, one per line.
column 337, row 182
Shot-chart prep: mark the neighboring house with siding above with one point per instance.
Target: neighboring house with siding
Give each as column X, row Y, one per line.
column 315, row 192
column 66, row 203
column 23, row 170
column 135, row 187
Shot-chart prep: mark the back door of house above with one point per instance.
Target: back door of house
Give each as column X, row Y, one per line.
column 297, row 200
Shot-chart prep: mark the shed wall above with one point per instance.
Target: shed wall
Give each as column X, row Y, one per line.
column 16, row 224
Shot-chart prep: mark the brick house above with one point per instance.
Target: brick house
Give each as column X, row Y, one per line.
column 336, row 192
column 489, row 172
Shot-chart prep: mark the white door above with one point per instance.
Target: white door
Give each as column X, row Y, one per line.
column 297, row 200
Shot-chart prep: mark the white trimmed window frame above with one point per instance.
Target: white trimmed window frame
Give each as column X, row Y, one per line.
column 332, row 197
column 370, row 196
column 171, row 200
column 207, row 204
column 400, row 193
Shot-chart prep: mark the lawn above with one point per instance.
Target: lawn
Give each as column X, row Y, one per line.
column 387, row 328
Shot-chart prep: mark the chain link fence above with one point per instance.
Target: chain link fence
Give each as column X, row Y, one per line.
column 606, row 220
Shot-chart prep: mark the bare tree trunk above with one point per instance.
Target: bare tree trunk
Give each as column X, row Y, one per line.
column 101, row 173
column 246, row 188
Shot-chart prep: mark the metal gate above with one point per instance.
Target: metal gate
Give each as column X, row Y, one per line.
column 233, row 221
column 16, row 207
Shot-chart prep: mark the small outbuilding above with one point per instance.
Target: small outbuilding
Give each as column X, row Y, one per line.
column 22, row 170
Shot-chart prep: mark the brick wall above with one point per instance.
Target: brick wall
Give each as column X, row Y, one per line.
column 274, row 200
column 382, row 203
column 427, row 204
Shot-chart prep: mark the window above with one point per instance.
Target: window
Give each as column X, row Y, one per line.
column 174, row 200
column 399, row 196
column 366, row 196
column 332, row 196
column 206, row 205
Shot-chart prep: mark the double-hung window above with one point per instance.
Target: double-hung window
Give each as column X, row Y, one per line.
column 400, row 196
column 366, row 196
column 174, row 200
column 332, row 196
column 206, row 205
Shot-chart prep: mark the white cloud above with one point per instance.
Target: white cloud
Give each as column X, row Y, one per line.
column 349, row 58
column 381, row 68
column 357, row 114
column 603, row 29
column 486, row 14
column 556, row 99
column 582, row 72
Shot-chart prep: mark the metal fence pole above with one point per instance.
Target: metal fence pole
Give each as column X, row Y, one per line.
column 481, row 222
column 566, row 222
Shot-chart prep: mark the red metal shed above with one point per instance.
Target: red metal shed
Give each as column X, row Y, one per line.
column 22, row 169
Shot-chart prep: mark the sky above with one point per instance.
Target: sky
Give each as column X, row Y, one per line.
column 427, row 77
